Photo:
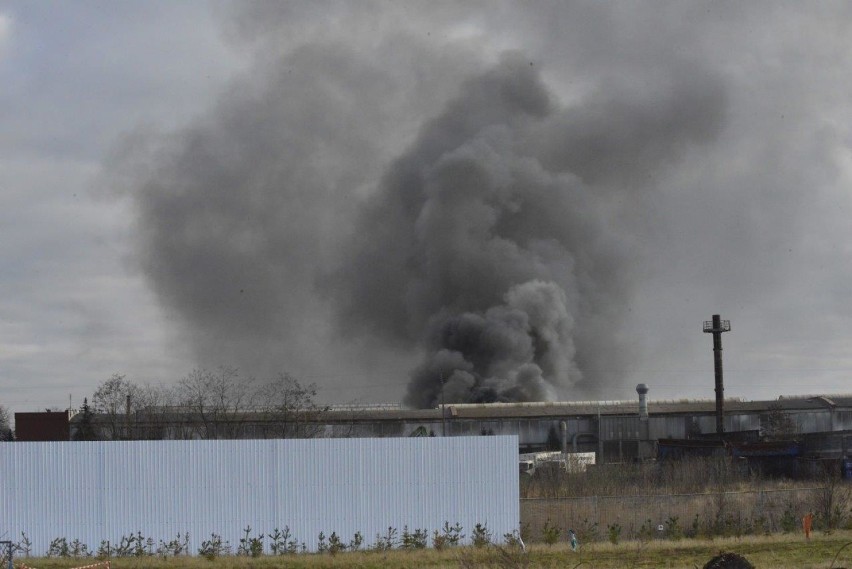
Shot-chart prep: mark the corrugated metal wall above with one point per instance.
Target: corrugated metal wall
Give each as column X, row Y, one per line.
column 95, row 491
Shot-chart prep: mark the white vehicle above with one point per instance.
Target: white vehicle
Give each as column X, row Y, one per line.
column 569, row 461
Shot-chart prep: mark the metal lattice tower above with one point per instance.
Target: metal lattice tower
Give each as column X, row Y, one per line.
column 716, row 327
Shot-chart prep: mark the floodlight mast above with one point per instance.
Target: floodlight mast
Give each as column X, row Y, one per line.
column 716, row 327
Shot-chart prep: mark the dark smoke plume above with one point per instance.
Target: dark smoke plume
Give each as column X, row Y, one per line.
column 508, row 272
column 285, row 229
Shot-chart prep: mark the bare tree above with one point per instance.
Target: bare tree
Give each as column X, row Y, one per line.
column 112, row 402
column 124, row 410
column 834, row 497
column 6, row 432
column 776, row 424
column 155, row 417
column 217, row 402
column 291, row 410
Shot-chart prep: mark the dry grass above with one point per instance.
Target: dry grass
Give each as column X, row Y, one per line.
column 777, row 552
column 687, row 476
column 694, row 497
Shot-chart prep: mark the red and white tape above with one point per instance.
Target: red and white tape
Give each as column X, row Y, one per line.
column 100, row 564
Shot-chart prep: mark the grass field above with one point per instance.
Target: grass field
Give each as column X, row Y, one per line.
column 770, row 552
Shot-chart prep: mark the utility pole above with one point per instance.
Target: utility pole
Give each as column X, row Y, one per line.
column 716, row 327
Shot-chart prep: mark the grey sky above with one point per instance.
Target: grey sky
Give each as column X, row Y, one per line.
column 186, row 184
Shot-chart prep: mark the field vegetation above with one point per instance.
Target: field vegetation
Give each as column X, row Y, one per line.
column 693, row 498
column 666, row 514
column 677, row 514
column 822, row 551
column 686, row 476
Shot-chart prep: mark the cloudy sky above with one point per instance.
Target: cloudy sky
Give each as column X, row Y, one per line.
column 522, row 200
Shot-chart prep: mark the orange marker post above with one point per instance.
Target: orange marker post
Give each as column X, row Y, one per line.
column 807, row 524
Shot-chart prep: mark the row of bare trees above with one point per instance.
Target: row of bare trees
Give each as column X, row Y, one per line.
column 205, row 404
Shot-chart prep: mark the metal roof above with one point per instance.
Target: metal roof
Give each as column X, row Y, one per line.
column 591, row 408
column 528, row 410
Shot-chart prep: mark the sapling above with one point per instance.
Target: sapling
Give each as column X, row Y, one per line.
column 481, row 536
column 335, row 545
column 614, row 533
column 58, row 548
column 250, row 546
column 513, row 540
column 214, row 547
column 79, row 549
column 453, row 534
column 550, row 533
column 673, row 530
column 174, row 547
column 356, row 542
column 24, row 546
column 439, row 541
column 283, row 542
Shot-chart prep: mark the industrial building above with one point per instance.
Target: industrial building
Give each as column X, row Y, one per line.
column 615, row 430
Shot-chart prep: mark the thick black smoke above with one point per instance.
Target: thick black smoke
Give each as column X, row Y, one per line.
column 485, row 247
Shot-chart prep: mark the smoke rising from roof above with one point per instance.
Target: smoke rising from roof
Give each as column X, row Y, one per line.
column 484, row 246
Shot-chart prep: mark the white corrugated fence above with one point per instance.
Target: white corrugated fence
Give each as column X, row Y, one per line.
column 95, row 491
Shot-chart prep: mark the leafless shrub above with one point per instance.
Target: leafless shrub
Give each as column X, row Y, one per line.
column 834, row 497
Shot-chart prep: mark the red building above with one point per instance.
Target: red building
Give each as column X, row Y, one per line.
column 43, row 426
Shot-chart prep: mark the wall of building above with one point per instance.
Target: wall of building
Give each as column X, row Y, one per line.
column 94, row 491
column 42, row 426
column 613, row 429
column 733, row 422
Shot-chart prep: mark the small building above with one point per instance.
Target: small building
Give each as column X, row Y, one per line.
column 43, row 426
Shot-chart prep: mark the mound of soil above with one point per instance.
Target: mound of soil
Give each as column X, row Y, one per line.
column 728, row 561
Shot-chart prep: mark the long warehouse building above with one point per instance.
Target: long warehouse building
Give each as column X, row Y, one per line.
column 614, row 430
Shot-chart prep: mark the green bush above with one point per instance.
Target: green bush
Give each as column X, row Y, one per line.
column 386, row 542
column 789, row 520
column 414, row 540
column 694, row 528
column 214, row 547
column 356, row 542
column 449, row 536
column 171, row 549
column 481, row 536
column 614, row 533
column 589, row 530
column 550, row 533
column 335, row 545
column 647, row 530
column 673, row 529
column 58, row 548
column 250, row 546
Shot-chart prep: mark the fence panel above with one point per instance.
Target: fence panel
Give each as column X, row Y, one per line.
column 94, row 491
